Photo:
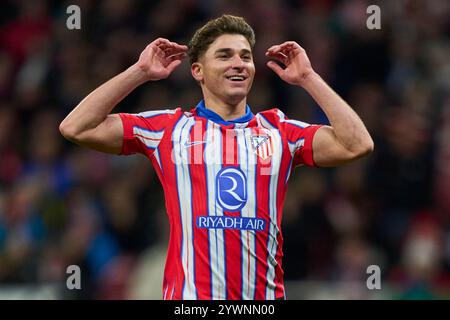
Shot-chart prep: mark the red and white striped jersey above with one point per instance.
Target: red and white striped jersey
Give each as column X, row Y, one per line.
column 224, row 184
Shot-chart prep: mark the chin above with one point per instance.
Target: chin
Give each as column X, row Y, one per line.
column 237, row 94
column 235, row 97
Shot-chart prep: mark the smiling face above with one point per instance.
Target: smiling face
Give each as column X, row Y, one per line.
column 226, row 70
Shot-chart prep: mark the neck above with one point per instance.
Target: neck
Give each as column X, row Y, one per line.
column 227, row 111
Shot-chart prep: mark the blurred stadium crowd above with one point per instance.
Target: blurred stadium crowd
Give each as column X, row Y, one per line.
column 62, row 205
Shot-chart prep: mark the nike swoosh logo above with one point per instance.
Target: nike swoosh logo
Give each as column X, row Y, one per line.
column 188, row 144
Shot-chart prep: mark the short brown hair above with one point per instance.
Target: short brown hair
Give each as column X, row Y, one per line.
column 226, row 24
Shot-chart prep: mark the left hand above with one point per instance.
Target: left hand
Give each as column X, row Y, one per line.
column 294, row 58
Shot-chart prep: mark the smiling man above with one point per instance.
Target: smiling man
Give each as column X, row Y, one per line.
column 224, row 170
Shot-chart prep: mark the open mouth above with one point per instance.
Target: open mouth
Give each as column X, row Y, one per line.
column 236, row 78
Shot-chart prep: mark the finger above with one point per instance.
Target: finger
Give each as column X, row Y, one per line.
column 160, row 41
column 170, row 50
column 291, row 51
column 275, row 68
column 281, row 46
column 286, row 47
column 279, row 56
column 177, row 56
column 154, row 50
column 179, row 46
column 290, row 44
column 160, row 52
column 164, row 46
column 173, row 65
column 168, row 45
column 174, row 50
column 274, row 48
column 288, row 52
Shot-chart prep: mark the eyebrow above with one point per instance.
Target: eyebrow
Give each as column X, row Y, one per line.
column 228, row 50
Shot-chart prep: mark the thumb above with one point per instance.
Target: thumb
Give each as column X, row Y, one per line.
column 275, row 68
column 173, row 65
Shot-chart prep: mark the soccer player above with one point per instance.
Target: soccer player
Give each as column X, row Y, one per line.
column 224, row 170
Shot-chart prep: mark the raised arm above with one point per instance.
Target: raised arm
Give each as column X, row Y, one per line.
column 347, row 138
column 91, row 125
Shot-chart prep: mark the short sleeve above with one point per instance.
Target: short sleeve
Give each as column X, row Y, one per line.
column 142, row 132
column 300, row 137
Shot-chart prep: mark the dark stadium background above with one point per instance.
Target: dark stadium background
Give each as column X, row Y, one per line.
column 62, row 205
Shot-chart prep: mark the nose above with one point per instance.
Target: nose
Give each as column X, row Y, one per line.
column 237, row 62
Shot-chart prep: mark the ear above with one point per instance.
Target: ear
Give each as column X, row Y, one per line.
column 197, row 71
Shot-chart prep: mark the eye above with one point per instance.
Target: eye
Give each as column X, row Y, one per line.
column 247, row 58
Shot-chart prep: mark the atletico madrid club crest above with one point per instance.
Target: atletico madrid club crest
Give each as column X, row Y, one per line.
column 262, row 146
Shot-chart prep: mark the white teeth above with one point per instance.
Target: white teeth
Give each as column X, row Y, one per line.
column 236, row 78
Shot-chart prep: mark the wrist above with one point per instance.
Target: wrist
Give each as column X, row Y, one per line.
column 308, row 78
column 137, row 74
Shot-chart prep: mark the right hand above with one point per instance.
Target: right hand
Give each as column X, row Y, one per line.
column 160, row 58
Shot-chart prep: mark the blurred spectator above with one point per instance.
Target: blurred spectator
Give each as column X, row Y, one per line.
column 62, row 205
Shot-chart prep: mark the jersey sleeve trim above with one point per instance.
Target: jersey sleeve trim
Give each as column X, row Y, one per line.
column 128, row 138
column 308, row 155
